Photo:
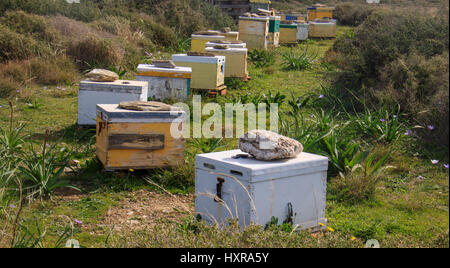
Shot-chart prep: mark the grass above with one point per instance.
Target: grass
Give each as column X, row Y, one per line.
column 409, row 208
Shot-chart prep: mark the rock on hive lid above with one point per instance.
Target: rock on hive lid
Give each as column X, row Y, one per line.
column 101, row 75
column 147, row 106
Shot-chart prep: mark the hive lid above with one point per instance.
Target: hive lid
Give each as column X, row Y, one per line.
column 230, row 50
column 114, row 114
column 198, row 59
column 142, row 68
column 118, row 86
column 207, row 37
column 265, row 19
column 261, row 170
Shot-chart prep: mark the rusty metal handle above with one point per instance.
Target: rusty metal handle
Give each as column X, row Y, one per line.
column 219, row 189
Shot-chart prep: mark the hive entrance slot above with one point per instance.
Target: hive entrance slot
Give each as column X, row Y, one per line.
column 235, row 172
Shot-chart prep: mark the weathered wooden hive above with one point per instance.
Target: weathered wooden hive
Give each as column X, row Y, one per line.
column 254, row 31
column 319, row 12
column 322, row 29
column 92, row 93
column 253, row 191
column 236, row 61
column 132, row 139
column 166, row 83
column 207, row 72
column 288, row 33
column 198, row 41
column 274, row 31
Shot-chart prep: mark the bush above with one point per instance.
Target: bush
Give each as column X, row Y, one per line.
column 94, row 52
column 352, row 14
column 29, row 24
column 16, row 46
column 298, row 61
column 397, row 57
column 44, row 71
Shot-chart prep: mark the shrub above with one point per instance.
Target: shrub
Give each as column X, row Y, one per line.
column 93, row 52
column 16, row 46
column 29, row 24
column 352, row 14
column 397, row 57
column 45, row 71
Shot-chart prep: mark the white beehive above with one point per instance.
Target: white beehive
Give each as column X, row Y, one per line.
column 92, row 93
column 302, row 31
column 166, row 83
column 285, row 189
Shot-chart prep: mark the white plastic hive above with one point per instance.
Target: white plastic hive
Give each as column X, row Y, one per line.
column 255, row 191
column 92, row 93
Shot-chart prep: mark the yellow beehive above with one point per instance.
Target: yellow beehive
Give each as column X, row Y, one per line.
column 318, row 29
column 288, row 33
column 231, row 36
column 319, row 12
column 198, row 41
column 254, row 31
column 235, row 59
column 207, row 72
column 129, row 139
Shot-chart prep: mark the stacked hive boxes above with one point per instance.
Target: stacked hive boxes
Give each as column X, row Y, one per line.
column 322, row 29
column 129, row 139
column 92, row 93
column 235, row 59
column 274, row 31
column 207, row 72
column 254, row 31
column 227, row 187
column 166, row 83
column 198, row 41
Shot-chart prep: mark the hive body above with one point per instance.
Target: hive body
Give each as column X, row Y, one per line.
column 288, row 33
column 207, row 72
column 254, row 31
column 322, row 29
column 137, row 139
column 198, row 41
column 166, row 83
column 253, row 191
column 236, row 61
column 92, row 93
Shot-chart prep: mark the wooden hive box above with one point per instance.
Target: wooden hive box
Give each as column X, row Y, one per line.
column 253, row 191
column 198, row 42
column 237, row 45
column 322, row 29
column 166, row 83
column 314, row 13
column 236, row 61
column 92, row 93
column 254, row 31
column 129, row 139
column 288, row 33
column 231, row 36
column 207, row 72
